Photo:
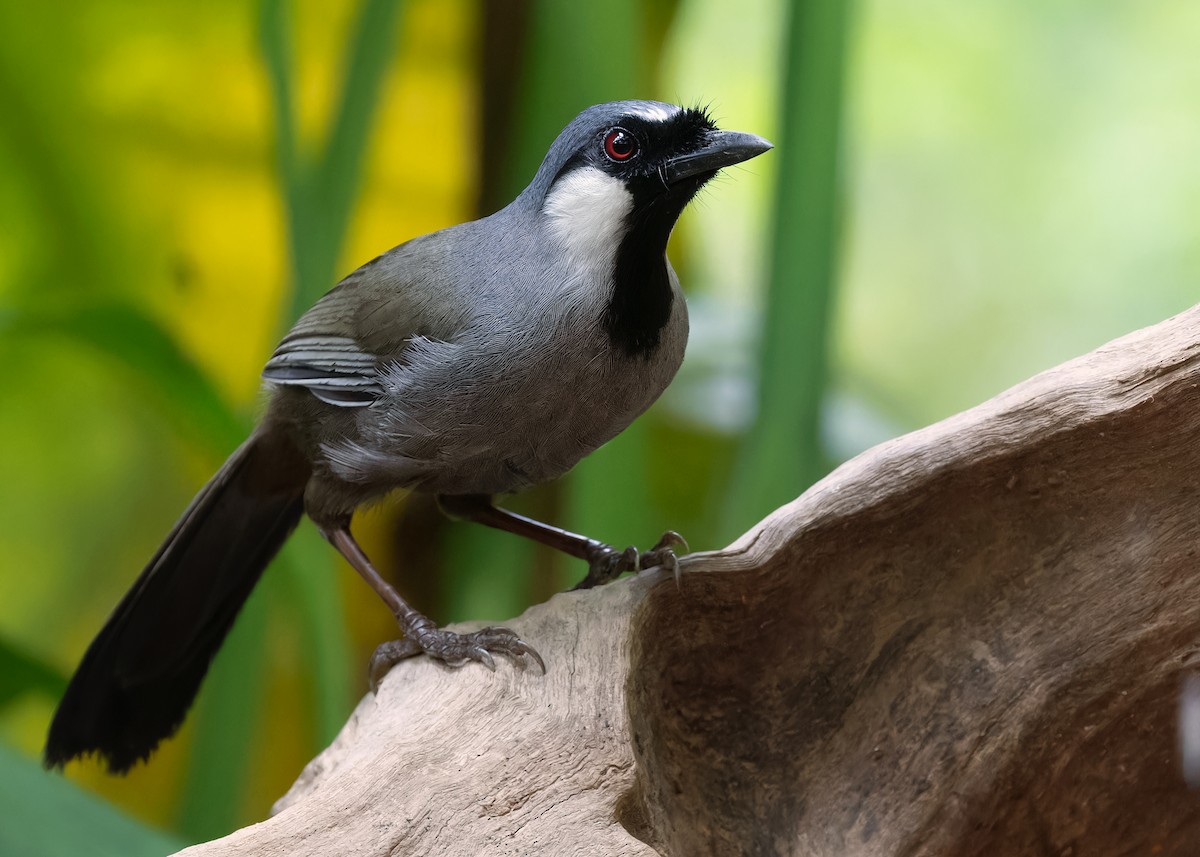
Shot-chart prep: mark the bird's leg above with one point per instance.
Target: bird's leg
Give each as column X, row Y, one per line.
column 605, row 563
column 420, row 632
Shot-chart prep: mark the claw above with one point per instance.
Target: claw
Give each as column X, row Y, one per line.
column 605, row 564
column 479, row 653
column 524, row 648
column 664, row 553
column 671, row 561
column 671, row 539
column 663, row 558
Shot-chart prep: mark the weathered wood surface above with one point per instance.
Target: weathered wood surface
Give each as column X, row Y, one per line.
column 966, row 641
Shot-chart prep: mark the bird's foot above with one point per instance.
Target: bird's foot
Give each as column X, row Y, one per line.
column 606, row 563
column 450, row 648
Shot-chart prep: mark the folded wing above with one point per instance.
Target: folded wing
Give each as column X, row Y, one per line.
column 333, row 368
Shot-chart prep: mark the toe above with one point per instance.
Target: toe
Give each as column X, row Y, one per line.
column 386, row 656
column 479, row 653
column 502, row 641
column 672, row 540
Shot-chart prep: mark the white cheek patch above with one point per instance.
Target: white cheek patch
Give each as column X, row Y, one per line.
column 588, row 212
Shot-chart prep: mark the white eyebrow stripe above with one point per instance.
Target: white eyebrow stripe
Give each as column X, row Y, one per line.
column 655, row 112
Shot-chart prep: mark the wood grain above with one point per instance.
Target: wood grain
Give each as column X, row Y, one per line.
column 966, row 641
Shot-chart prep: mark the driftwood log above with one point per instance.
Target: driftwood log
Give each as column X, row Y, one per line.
column 969, row 640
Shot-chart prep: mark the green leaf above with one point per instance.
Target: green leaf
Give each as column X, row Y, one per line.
column 487, row 573
column 275, row 37
column 578, row 54
column 152, row 357
column 311, row 582
column 782, row 454
column 21, row 673
column 338, row 174
column 320, row 190
column 224, row 716
column 226, row 723
column 46, row 816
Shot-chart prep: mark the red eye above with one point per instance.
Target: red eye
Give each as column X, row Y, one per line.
column 620, row 145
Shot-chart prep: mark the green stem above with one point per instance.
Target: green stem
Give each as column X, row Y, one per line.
column 782, row 454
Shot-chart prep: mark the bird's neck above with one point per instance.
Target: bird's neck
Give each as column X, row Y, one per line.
column 619, row 238
column 639, row 306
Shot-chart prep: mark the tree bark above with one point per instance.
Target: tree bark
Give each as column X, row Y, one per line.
column 969, row 640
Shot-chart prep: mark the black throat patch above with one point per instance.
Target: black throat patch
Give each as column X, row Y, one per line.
column 650, row 137
column 640, row 305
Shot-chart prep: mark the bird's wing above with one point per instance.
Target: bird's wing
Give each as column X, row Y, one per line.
column 333, row 368
column 323, row 354
column 366, row 324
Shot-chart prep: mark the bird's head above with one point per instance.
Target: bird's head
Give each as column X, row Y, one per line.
column 610, row 190
column 630, row 164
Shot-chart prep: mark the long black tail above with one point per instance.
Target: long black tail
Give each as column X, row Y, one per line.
column 141, row 673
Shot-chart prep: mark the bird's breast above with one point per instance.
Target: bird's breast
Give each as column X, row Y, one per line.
column 527, row 406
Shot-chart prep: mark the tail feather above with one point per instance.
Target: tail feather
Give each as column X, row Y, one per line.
column 139, row 676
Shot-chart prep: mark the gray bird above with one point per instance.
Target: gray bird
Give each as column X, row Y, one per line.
column 471, row 362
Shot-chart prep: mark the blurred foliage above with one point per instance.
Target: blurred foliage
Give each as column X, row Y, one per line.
column 782, row 448
column 58, row 818
column 963, row 194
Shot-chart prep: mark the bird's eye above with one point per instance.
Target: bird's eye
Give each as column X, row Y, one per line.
column 620, row 145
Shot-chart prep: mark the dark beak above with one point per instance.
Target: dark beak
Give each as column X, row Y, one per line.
column 720, row 149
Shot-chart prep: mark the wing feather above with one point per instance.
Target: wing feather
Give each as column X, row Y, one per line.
column 343, row 349
column 333, row 368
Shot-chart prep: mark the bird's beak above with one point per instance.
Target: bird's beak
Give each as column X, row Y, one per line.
column 721, row 149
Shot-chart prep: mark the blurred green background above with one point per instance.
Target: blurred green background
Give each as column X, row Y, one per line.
column 962, row 194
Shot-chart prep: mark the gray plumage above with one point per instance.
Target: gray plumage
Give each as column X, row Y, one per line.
column 492, row 386
column 475, row 361
column 473, row 381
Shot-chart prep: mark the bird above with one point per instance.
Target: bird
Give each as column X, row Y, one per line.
column 468, row 363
